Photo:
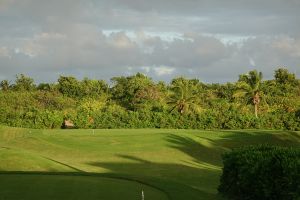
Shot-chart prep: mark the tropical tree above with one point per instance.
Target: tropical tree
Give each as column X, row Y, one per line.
column 184, row 95
column 70, row 86
column 249, row 87
column 130, row 91
column 4, row 85
column 93, row 88
column 283, row 76
column 24, row 83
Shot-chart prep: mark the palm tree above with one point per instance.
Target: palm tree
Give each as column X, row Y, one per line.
column 183, row 96
column 249, row 86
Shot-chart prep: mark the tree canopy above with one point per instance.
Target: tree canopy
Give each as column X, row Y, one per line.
column 137, row 101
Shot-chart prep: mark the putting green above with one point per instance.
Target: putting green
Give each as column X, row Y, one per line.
column 43, row 186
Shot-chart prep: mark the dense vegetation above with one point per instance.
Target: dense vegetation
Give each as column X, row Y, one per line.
column 118, row 163
column 261, row 172
column 139, row 102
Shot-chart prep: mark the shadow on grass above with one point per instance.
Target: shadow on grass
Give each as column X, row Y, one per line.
column 204, row 151
column 61, row 190
column 195, row 178
column 167, row 178
column 64, row 164
column 235, row 139
column 171, row 178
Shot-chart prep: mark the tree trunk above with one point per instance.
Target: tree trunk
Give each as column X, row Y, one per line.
column 256, row 100
column 256, row 110
column 181, row 108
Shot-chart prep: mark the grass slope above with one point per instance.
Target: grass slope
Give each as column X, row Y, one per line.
column 174, row 164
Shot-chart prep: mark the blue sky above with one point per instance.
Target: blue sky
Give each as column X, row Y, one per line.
column 211, row 40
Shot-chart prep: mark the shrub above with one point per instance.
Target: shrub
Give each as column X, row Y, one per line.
column 261, row 172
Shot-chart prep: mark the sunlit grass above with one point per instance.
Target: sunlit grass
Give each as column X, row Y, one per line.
column 184, row 164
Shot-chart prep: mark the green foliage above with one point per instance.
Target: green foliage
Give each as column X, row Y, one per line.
column 49, row 119
column 69, row 86
column 183, row 96
column 4, row 85
column 47, row 87
column 261, row 172
column 93, row 88
column 23, row 83
column 249, row 87
column 74, row 88
column 282, row 76
column 134, row 91
column 138, row 102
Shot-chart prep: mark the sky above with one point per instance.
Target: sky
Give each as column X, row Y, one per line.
column 210, row 40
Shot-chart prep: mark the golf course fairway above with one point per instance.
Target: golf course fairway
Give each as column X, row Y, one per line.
column 120, row 163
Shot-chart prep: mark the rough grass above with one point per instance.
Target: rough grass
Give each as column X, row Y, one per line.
column 174, row 164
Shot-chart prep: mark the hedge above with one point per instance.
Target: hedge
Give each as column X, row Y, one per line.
column 261, row 172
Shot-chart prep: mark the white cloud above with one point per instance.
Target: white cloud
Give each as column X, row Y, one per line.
column 163, row 70
column 252, row 62
column 146, row 69
column 287, row 45
column 121, row 40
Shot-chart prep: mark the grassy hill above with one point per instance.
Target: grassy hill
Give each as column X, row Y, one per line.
column 119, row 164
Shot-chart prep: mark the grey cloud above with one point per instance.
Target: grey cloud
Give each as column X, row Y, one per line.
column 190, row 52
column 46, row 38
column 230, row 16
column 210, row 16
column 87, row 52
column 193, row 6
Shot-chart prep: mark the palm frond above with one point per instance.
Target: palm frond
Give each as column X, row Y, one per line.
column 240, row 93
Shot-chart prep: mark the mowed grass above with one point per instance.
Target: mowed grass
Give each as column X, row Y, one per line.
column 119, row 164
column 43, row 186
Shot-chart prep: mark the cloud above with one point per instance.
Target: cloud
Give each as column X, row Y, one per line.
column 252, row 62
column 87, row 51
column 162, row 70
column 211, row 40
column 4, row 52
column 207, row 16
column 146, row 69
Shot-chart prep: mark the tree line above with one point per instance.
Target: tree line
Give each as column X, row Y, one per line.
column 139, row 102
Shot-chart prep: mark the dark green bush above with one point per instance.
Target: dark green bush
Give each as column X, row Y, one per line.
column 261, row 172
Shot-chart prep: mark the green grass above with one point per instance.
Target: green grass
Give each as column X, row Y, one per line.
column 43, row 186
column 117, row 164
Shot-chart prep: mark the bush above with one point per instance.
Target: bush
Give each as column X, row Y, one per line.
column 261, row 172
